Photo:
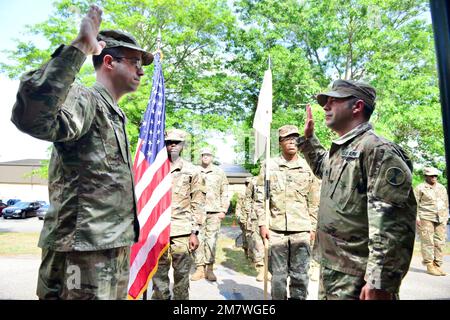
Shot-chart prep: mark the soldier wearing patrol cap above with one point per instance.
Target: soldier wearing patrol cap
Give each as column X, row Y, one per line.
column 216, row 206
column 366, row 221
column 92, row 221
column 187, row 216
column 293, row 216
column 432, row 216
column 255, row 244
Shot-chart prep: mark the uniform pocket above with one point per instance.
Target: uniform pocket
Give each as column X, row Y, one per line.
column 344, row 188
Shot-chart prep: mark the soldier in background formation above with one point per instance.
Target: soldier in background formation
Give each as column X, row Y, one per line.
column 432, row 216
column 314, row 266
column 366, row 220
column 188, row 199
column 293, row 215
column 241, row 217
column 252, row 234
column 92, row 220
column 216, row 185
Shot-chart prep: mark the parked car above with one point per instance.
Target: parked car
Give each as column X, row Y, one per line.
column 22, row 209
column 11, row 202
column 2, row 206
column 42, row 211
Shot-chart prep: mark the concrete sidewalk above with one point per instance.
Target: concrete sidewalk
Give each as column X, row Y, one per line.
column 19, row 278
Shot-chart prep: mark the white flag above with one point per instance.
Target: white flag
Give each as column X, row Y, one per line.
column 263, row 115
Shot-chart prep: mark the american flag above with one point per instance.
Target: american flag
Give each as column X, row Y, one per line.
column 153, row 190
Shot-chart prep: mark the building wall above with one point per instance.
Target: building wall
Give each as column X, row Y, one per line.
column 23, row 192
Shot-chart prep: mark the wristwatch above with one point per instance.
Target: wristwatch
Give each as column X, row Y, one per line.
column 195, row 232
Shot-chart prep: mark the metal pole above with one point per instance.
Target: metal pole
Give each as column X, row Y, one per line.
column 267, row 209
column 440, row 14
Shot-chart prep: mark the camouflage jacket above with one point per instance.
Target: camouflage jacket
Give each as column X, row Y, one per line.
column 216, row 183
column 432, row 202
column 245, row 212
column 188, row 198
column 91, row 191
column 293, row 203
column 367, row 209
column 240, row 212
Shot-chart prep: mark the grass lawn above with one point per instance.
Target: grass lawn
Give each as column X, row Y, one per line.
column 15, row 243
column 230, row 256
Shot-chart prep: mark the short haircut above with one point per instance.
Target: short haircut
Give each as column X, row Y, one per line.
column 367, row 111
column 114, row 51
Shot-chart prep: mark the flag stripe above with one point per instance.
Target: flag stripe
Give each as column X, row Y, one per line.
column 155, row 240
column 152, row 188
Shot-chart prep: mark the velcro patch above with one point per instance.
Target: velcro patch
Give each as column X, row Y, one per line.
column 395, row 176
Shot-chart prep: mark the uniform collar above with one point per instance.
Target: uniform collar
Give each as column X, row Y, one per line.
column 291, row 164
column 107, row 96
column 177, row 165
column 363, row 127
column 207, row 169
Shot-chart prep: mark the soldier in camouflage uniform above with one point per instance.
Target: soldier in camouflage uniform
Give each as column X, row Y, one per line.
column 293, row 213
column 188, row 198
column 432, row 216
column 92, row 220
column 241, row 217
column 314, row 266
column 255, row 242
column 366, row 220
column 216, row 206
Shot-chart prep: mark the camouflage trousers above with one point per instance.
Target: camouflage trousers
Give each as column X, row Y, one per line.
column 177, row 256
column 255, row 247
column 84, row 275
column 289, row 255
column 244, row 238
column 432, row 240
column 206, row 252
column 336, row 285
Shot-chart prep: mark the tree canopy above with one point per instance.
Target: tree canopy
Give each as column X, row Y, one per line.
column 216, row 51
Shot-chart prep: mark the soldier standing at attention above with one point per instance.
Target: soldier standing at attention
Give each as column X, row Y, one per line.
column 366, row 221
column 187, row 215
column 254, row 239
column 92, row 220
column 216, row 185
column 241, row 217
column 292, row 220
column 432, row 216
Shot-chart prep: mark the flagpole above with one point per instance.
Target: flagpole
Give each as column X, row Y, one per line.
column 267, row 208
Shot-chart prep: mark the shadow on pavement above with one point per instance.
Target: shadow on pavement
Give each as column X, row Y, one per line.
column 232, row 290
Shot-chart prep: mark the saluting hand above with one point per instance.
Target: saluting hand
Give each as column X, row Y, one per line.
column 86, row 41
column 309, row 122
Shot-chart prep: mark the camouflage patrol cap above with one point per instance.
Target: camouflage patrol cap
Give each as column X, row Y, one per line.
column 347, row 89
column 206, row 151
column 175, row 135
column 115, row 38
column 430, row 171
column 287, row 130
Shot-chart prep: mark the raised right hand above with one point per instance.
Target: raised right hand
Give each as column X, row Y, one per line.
column 86, row 41
column 309, row 122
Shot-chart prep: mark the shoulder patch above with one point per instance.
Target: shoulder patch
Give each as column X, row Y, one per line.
column 395, row 176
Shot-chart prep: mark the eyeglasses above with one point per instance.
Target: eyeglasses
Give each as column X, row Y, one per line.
column 134, row 61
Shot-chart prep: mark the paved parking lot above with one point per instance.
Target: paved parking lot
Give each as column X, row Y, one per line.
column 19, row 276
